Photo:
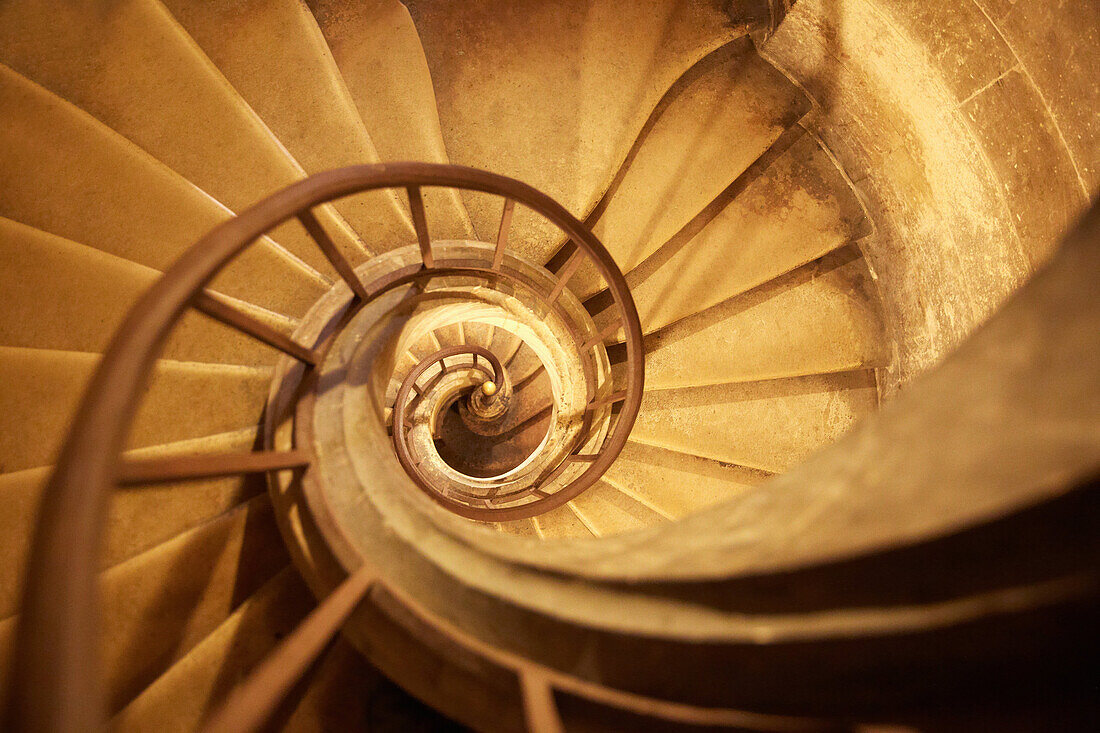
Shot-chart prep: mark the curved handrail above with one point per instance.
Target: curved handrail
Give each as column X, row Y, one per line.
column 58, row 685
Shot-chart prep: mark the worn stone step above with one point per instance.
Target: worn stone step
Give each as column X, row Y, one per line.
column 823, row 317
column 554, row 95
column 67, row 296
column 608, row 511
column 135, row 69
column 276, row 58
column 561, row 522
column 342, row 693
column 54, row 160
column 733, row 108
column 769, row 425
column 40, row 390
column 799, row 209
column 519, row 527
column 677, row 484
column 141, row 516
column 378, row 52
column 159, row 605
column 190, row 690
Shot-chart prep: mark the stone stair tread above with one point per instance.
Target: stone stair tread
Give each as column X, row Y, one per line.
column 736, row 107
column 753, row 239
column 821, row 318
column 63, row 295
column 530, row 400
column 523, row 365
column 141, row 75
column 277, row 60
column 187, row 692
column 505, row 344
column 769, row 425
column 478, row 334
column 158, row 605
column 611, row 511
column 42, row 388
column 141, row 516
column 339, row 695
column 677, row 483
column 52, row 162
column 379, row 55
column 450, row 335
column 519, row 527
column 561, row 522
column 559, row 110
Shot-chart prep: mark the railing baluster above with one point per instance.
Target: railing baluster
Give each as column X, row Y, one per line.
column 253, row 701
column 213, row 306
column 567, row 271
column 602, row 335
column 182, row 468
column 420, row 223
column 539, row 709
column 328, row 248
column 609, row 400
column 502, row 233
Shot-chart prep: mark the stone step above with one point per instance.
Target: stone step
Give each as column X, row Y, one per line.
column 607, row 510
column 41, row 390
column 276, row 58
column 821, row 318
column 67, row 296
column 734, row 108
column 768, row 425
column 677, row 484
column 137, row 71
column 797, row 210
column 182, row 697
column 159, row 605
column 54, row 164
column 561, row 522
column 379, row 55
column 555, row 97
column 141, row 516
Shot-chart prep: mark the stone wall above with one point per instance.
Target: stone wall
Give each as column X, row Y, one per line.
column 970, row 130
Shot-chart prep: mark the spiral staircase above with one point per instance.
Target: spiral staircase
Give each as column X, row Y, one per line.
column 535, row 426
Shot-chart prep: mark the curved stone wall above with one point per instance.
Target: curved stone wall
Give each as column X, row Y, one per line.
column 970, row 131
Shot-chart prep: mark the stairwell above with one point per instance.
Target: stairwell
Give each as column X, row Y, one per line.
column 787, row 235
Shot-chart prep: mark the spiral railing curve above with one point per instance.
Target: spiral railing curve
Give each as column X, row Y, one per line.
column 57, row 685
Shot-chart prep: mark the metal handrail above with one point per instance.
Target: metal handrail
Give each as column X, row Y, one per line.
column 58, row 683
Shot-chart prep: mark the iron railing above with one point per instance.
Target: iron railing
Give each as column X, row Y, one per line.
column 57, row 686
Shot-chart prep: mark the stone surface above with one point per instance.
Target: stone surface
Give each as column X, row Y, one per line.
column 378, row 52
column 769, row 425
column 562, row 522
column 607, row 510
column 735, row 106
column 913, row 100
column 559, row 107
column 40, row 390
column 970, row 138
column 822, row 317
column 1056, row 44
column 274, row 55
column 141, row 74
column 678, row 484
column 54, row 160
column 66, row 296
column 160, row 604
column 181, row 698
column 140, row 518
column 798, row 210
